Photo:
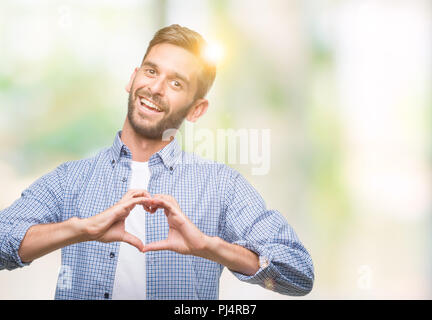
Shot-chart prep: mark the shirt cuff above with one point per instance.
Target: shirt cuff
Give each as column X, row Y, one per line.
column 13, row 242
column 265, row 273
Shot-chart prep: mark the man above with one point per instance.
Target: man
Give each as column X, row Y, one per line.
column 144, row 219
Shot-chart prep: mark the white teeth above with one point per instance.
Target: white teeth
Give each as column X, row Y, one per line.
column 149, row 104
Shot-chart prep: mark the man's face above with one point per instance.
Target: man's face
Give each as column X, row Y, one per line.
column 162, row 90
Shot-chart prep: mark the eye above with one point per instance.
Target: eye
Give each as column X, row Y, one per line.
column 150, row 71
column 176, row 84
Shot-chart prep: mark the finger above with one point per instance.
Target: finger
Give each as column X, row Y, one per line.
column 141, row 193
column 149, row 209
column 146, row 205
column 131, row 193
column 133, row 240
column 152, row 206
column 168, row 199
column 125, row 196
column 131, row 203
column 163, row 196
column 157, row 246
column 160, row 203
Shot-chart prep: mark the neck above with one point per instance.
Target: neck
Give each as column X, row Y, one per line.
column 141, row 147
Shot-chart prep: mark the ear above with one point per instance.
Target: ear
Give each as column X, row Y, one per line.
column 198, row 109
column 129, row 85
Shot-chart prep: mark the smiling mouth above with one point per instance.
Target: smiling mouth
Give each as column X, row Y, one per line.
column 146, row 103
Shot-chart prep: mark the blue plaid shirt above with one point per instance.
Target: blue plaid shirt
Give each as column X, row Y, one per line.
column 215, row 197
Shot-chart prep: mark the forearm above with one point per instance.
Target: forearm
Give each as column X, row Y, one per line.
column 45, row 238
column 234, row 257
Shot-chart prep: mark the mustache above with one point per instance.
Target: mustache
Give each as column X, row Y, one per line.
column 155, row 98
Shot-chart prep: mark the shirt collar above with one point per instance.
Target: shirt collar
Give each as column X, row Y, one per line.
column 168, row 154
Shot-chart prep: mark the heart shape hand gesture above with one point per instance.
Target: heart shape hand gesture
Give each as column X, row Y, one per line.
column 109, row 226
column 183, row 236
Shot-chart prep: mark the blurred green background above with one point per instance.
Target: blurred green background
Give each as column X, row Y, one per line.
column 344, row 86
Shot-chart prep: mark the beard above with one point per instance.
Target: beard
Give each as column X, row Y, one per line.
column 168, row 124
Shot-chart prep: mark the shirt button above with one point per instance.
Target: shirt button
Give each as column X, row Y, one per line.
column 112, row 162
column 112, row 255
column 106, row 295
column 171, row 168
column 124, row 179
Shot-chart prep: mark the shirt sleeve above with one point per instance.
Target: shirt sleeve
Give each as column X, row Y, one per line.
column 40, row 203
column 285, row 265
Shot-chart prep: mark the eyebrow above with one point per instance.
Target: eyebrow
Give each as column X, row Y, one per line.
column 176, row 74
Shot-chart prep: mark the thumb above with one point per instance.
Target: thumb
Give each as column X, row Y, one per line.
column 133, row 240
column 156, row 246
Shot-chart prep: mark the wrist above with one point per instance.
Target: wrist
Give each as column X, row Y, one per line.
column 209, row 247
column 78, row 229
column 233, row 256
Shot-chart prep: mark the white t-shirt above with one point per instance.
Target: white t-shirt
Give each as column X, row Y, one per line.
column 130, row 276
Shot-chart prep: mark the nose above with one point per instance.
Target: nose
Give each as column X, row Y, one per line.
column 157, row 86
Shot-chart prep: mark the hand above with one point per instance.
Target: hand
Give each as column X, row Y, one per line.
column 183, row 236
column 109, row 225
